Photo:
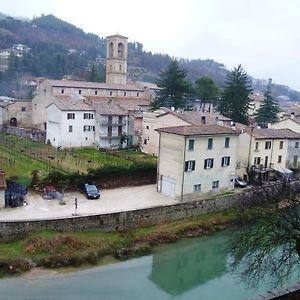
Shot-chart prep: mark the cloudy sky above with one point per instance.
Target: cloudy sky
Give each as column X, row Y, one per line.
column 261, row 35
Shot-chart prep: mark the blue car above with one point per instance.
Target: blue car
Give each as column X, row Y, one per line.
column 90, row 191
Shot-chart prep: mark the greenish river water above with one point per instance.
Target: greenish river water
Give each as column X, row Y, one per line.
column 189, row 269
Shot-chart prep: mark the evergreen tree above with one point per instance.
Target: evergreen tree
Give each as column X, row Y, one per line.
column 175, row 90
column 235, row 100
column 267, row 113
column 206, row 91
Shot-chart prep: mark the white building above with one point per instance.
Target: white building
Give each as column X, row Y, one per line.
column 266, row 150
column 165, row 117
column 196, row 160
column 81, row 123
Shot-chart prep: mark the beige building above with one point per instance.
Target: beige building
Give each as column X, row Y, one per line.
column 265, row 150
column 165, row 117
column 196, row 160
column 289, row 123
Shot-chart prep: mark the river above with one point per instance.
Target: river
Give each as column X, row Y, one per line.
column 187, row 270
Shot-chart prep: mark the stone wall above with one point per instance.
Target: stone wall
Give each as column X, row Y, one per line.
column 119, row 220
column 33, row 134
column 129, row 219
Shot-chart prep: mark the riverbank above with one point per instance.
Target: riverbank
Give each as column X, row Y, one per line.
column 53, row 250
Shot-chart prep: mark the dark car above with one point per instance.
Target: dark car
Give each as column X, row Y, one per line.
column 239, row 182
column 90, row 191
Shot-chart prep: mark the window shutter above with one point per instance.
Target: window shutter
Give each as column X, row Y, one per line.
column 205, row 163
column 193, row 165
column 222, row 163
column 186, row 166
column 212, row 163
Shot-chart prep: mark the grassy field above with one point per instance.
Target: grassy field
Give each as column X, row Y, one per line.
column 20, row 156
column 52, row 249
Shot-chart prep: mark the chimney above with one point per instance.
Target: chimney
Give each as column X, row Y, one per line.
column 292, row 115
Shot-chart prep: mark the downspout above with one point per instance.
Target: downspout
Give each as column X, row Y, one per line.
column 183, row 168
column 158, row 160
column 250, row 145
column 271, row 153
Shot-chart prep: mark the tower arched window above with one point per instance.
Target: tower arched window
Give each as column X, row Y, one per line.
column 120, row 50
column 111, row 49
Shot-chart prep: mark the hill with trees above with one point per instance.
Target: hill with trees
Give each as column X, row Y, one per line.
column 59, row 49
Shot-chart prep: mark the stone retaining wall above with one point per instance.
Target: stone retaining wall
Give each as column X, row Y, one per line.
column 128, row 219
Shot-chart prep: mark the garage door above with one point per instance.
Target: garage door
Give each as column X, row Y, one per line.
column 168, row 186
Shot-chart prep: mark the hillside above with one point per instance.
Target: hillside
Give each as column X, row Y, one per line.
column 58, row 48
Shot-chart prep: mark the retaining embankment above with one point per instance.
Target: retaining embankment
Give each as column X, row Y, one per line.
column 124, row 220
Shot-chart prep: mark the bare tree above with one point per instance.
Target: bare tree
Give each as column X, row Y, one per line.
column 268, row 241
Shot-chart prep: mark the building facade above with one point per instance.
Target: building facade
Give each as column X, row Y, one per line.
column 196, row 160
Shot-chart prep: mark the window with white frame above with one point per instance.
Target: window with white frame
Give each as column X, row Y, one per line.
column 189, row 165
column 227, row 141
column 268, row 145
column 215, row 184
column 197, row 187
column 225, row 161
column 70, row 128
column 257, row 161
column 208, row 163
column 191, row 145
column 88, row 116
column 88, row 128
column 70, row 116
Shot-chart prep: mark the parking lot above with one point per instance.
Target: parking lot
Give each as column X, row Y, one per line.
column 114, row 200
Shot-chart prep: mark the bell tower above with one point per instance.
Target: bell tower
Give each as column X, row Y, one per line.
column 116, row 59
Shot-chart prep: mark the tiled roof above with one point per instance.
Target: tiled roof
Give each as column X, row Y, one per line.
column 108, row 107
column 198, row 130
column 93, row 85
column 71, row 103
column 195, row 117
column 266, row 133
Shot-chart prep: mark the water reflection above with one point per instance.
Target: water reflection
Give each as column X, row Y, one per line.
column 191, row 263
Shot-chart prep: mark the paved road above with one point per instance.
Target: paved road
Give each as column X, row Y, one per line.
column 114, row 200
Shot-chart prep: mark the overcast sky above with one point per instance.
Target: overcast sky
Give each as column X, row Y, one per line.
column 261, row 35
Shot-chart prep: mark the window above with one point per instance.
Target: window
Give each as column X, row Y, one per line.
column 189, row 165
column 137, row 94
column 70, row 128
column 70, row 116
column 96, row 93
column 197, row 187
column 120, row 119
column 281, row 145
column 23, row 109
column 203, row 120
column 119, row 130
column 256, row 146
column 210, row 143
column 147, row 127
column 124, row 93
column 88, row 116
column 215, row 184
column 268, row 145
column 86, row 128
column 208, row 163
column 109, row 131
column 225, row 161
column 296, row 144
column 257, row 161
column 110, row 93
column 295, row 160
column 120, row 67
column 227, row 141
column 145, row 141
column 279, row 158
column 109, row 119
column 92, row 128
column 191, row 145
column 62, row 91
column 79, row 92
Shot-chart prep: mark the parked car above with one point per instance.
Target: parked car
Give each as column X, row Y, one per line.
column 239, row 182
column 90, row 191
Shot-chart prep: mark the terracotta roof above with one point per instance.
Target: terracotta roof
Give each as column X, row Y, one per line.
column 198, row 130
column 266, row 133
column 195, row 117
column 117, row 35
column 108, row 107
column 71, row 103
column 93, row 85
